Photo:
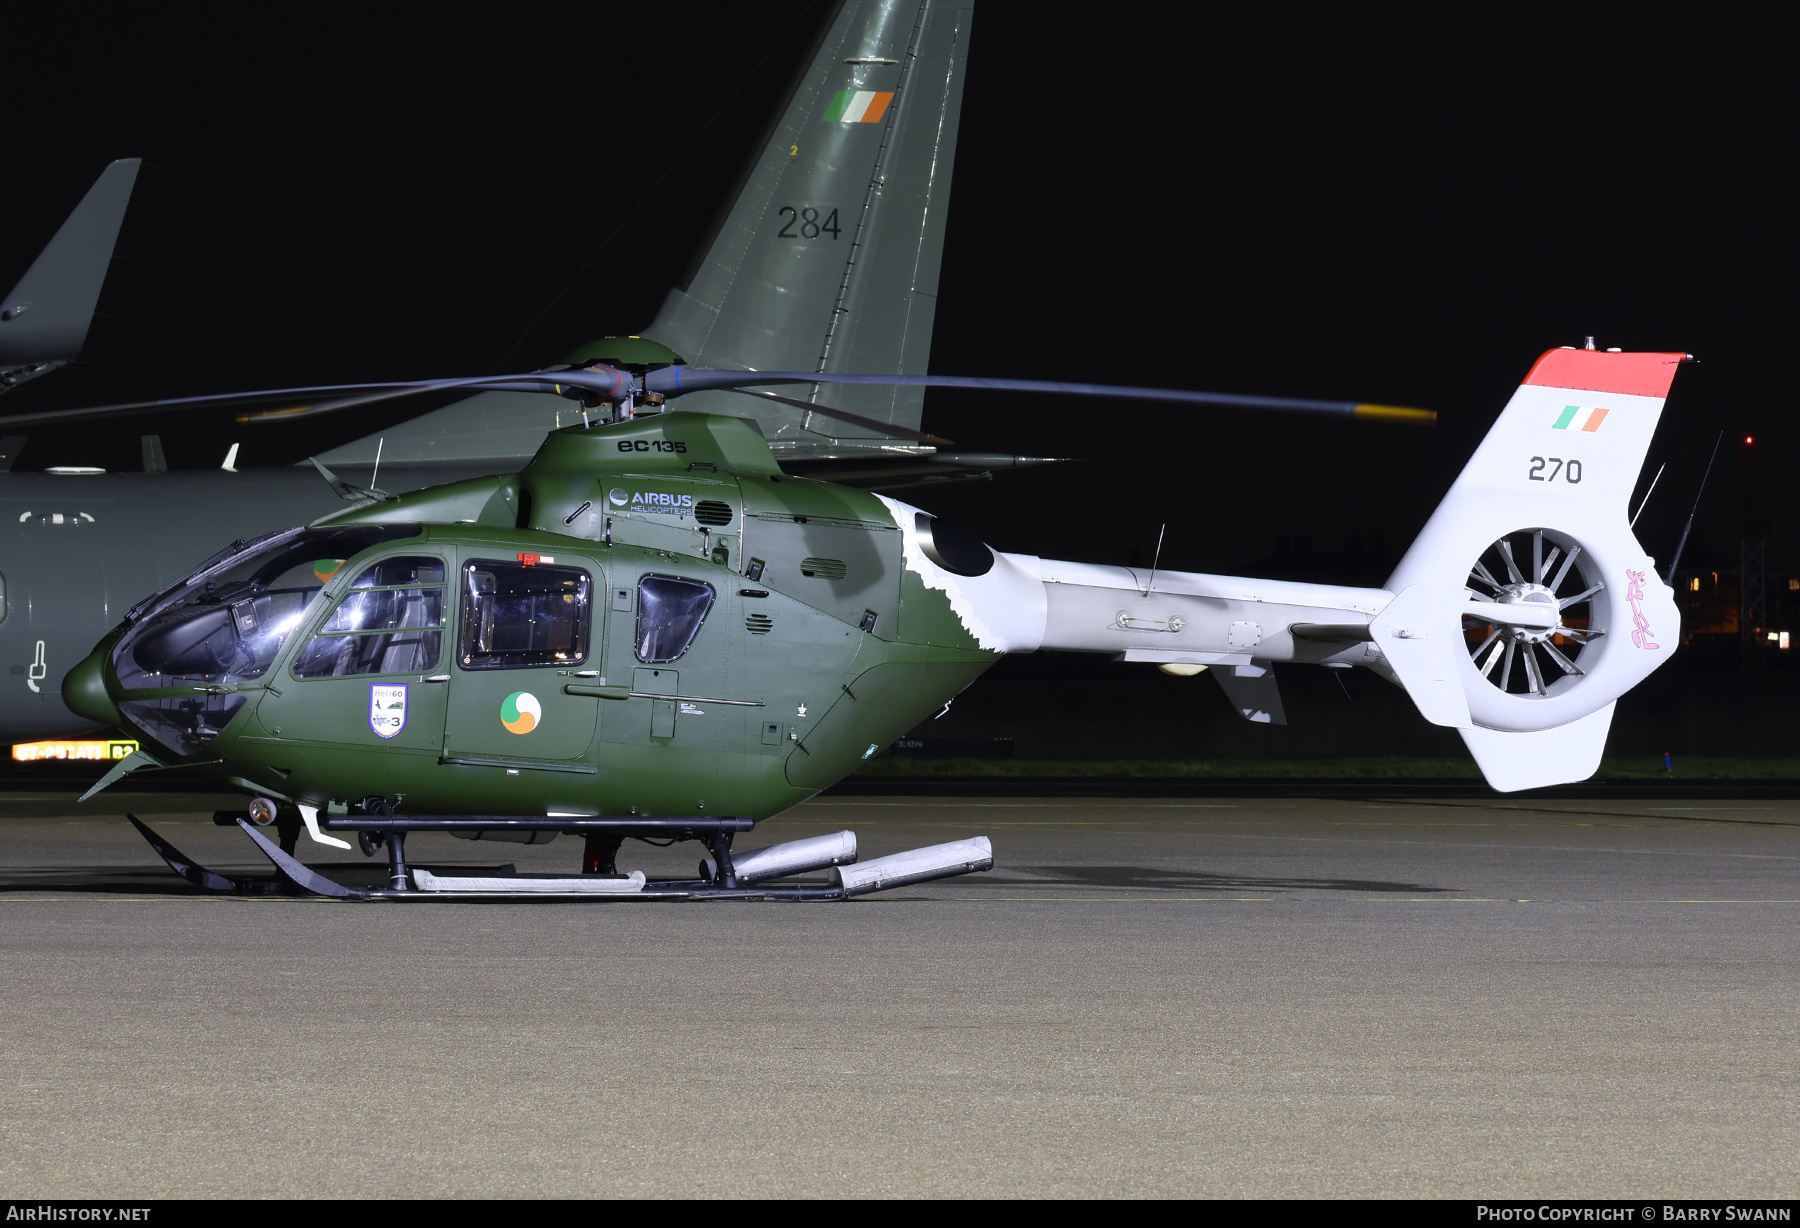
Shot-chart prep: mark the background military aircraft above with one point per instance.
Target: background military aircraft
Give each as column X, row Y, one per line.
column 44, row 319
column 1227, row 211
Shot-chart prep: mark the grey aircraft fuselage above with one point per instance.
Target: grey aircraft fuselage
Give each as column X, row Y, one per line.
column 77, row 550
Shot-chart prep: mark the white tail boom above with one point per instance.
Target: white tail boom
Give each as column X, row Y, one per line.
column 1521, row 613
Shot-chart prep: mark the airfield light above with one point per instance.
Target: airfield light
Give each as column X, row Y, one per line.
column 97, row 749
column 1784, row 641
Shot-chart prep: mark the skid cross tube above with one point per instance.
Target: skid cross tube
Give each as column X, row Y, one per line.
column 292, row 871
column 199, row 875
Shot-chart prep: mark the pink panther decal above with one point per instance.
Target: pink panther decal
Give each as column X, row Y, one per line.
column 1634, row 593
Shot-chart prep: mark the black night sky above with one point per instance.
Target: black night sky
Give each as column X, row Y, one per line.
column 1172, row 198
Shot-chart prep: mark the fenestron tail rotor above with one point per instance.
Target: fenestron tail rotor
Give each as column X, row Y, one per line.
column 1543, row 618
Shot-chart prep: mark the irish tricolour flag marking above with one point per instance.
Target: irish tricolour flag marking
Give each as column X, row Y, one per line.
column 858, row 106
column 1580, row 418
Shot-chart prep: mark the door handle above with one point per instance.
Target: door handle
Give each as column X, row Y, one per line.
column 602, row 692
column 436, row 678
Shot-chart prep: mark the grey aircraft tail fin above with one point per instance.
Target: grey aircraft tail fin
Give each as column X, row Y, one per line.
column 45, row 319
column 824, row 257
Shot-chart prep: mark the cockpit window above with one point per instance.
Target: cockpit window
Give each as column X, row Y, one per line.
column 670, row 611
column 226, row 623
column 388, row 630
column 515, row 616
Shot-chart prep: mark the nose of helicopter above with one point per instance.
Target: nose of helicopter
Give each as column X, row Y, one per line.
column 84, row 691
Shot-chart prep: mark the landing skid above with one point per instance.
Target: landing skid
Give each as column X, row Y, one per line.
column 722, row 877
column 199, row 875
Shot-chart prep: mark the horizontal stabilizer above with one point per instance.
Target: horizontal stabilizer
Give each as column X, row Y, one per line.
column 1420, row 634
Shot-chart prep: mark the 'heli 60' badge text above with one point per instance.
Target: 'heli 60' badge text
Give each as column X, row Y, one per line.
column 387, row 708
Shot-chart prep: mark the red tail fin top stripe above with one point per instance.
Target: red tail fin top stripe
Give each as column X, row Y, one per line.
column 1638, row 375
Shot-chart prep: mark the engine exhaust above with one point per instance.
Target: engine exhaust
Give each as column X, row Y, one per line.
column 794, row 857
column 916, row 866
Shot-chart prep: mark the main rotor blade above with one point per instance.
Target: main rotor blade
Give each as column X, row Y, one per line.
column 393, row 394
column 674, row 381
column 221, row 400
column 611, row 383
column 327, row 398
column 885, row 428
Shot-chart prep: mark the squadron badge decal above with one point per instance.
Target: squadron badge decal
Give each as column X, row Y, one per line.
column 387, row 708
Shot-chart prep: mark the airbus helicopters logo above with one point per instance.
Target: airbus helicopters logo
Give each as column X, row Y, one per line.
column 520, row 712
column 653, row 502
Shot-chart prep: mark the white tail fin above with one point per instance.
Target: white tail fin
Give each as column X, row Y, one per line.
column 1526, row 605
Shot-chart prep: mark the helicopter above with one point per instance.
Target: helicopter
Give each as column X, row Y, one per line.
column 652, row 631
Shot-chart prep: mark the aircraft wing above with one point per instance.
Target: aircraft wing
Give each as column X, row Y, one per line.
column 45, row 319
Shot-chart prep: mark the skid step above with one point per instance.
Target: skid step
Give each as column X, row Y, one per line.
column 527, row 884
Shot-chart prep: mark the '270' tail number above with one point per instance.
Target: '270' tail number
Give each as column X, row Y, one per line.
column 1549, row 468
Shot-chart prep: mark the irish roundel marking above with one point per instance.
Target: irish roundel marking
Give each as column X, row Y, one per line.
column 520, row 712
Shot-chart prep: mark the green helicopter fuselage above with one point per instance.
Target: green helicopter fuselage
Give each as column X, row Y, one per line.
column 649, row 619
